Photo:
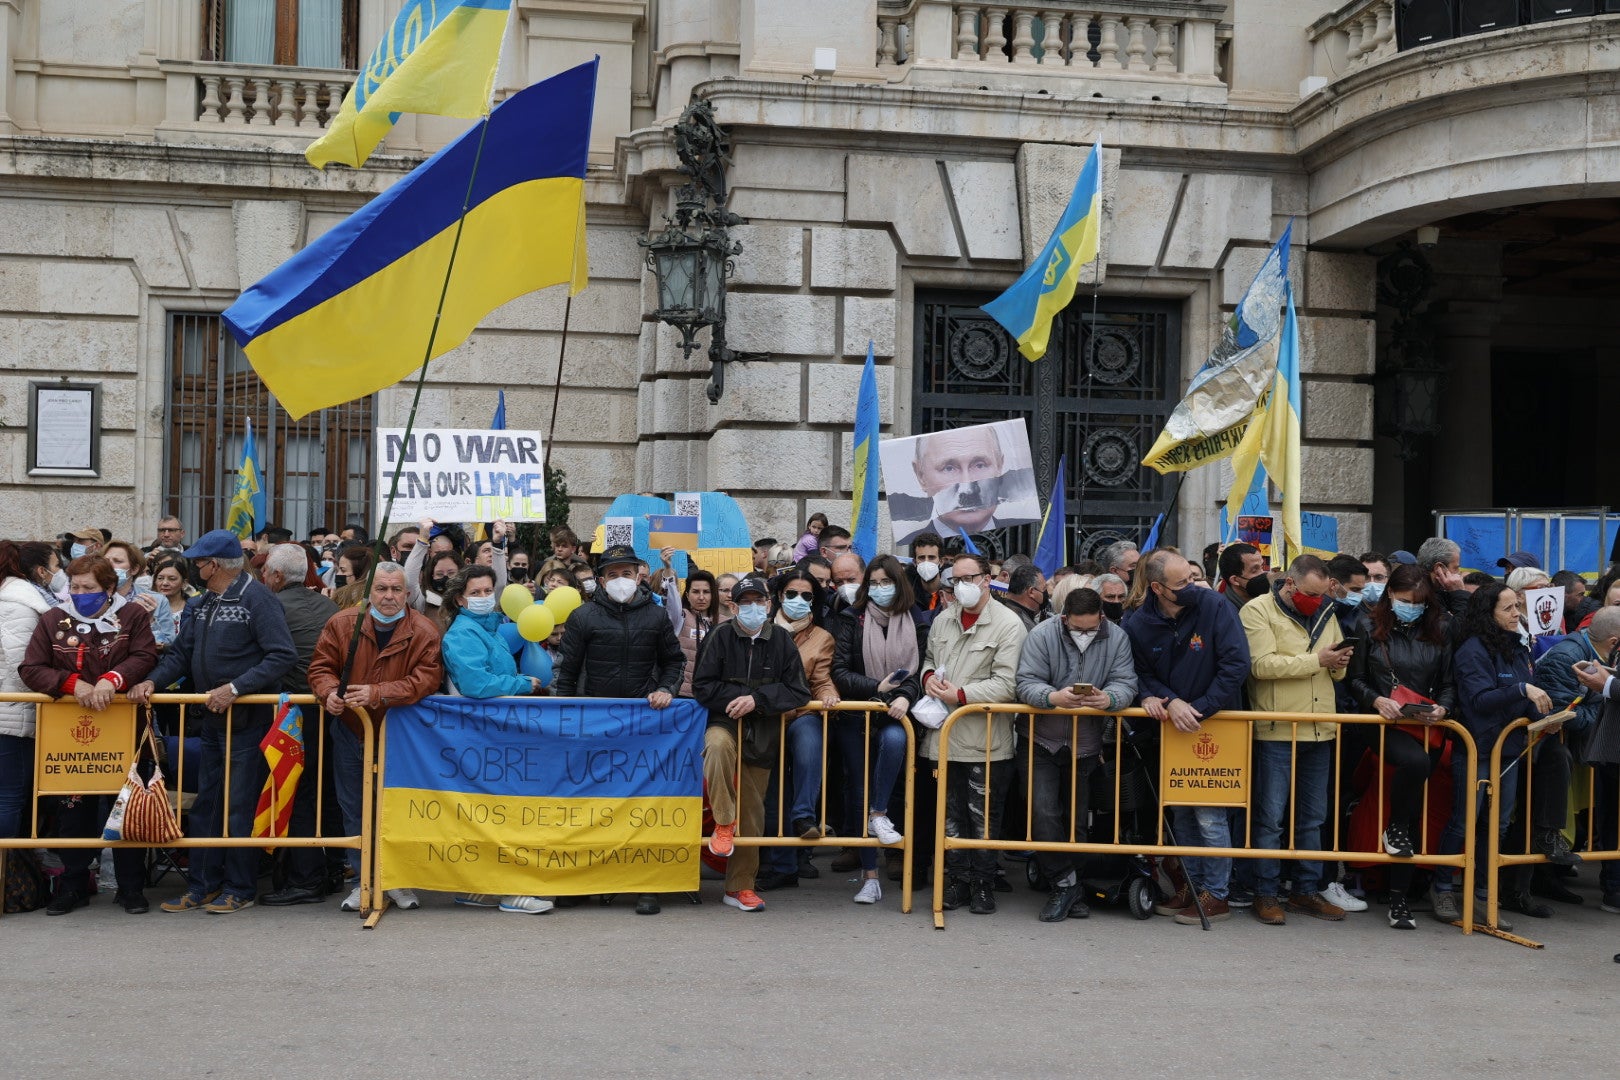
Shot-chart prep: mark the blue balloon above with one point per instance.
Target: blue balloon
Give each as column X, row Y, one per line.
column 514, row 640
column 535, row 662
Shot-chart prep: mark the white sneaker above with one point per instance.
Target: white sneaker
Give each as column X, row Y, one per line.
column 526, row 905
column 404, row 899
column 352, row 901
column 478, row 900
column 871, row 892
column 884, row 829
column 1338, row 895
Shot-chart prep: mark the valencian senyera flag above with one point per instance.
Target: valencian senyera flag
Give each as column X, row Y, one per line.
column 863, row 510
column 245, row 514
column 1272, row 437
column 542, row 796
column 352, row 313
column 439, row 57
column 1027, row 308
column 1213, row 415
column 283, row 749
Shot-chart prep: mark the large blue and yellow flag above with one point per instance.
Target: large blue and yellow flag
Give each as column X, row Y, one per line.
column 1026, row 310
column 246, row 511
column 439, row 57
column 1052, row 542
column 352, row 313
column 1272, row 437
column 863, row 508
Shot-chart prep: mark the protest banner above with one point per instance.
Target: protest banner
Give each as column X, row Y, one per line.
column 1257, row 531
column 723, row 537
column 1207, row 767
column 969, row 478
column 80, row 752
column 1544, row 610
column 462, row 474
column 542, row 797
column 1321, row 534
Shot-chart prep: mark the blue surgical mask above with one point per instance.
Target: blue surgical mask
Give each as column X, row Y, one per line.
column 1350, row 600
column 387, row 620
column 88, row 603
column 796, row 607
column 1406, row 611
column 1372, row 592
column 77, row 551
column 123, row 576
column 881, row 595
column 751, row 616
column 481, row 605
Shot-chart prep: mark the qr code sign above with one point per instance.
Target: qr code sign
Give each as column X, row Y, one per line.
column 618, row 531
column 688, row 505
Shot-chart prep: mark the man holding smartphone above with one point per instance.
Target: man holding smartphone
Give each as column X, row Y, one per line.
column 1297, row 652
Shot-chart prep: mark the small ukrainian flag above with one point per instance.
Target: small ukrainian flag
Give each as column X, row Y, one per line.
column 672, row 532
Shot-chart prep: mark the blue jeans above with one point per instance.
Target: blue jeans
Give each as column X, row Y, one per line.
column 886, row 763
column 1451, row 839
column 1310, row 797
column 1205, row 826
column 231, row 871
column 348, row 778
column 16, row 783
column 804, row 789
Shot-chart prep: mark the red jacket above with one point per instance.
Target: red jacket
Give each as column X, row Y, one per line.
column 66, row 648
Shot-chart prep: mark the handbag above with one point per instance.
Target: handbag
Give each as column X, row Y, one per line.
column 142, row 813
column 27, row 888
column 1405, row 695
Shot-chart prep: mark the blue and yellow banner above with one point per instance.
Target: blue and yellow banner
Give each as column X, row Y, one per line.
column 439, row 57
column 542, row 797
column 863, row 504
column 245, row 514
column 1272, row 436
column 672, row 531
column 353, row 312
column 1027, row 308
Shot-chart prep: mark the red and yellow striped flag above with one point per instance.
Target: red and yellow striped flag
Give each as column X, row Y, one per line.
column 283, row 748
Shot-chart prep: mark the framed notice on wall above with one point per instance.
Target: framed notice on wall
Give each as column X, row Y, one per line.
column 64, row 429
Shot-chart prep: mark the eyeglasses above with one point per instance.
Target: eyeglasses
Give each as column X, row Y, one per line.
column 969, row 579
column 168, row 530
column 795, row 594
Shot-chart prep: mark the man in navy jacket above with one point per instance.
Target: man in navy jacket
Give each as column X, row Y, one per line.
column 1192, row 657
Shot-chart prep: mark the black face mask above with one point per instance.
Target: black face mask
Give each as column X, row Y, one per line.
column 1258, row 586
column 339, row 580
column 441, row 583
column 518, row 573
column 1113, row 610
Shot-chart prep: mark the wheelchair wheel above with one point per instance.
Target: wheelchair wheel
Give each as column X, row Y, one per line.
column 1141, row 897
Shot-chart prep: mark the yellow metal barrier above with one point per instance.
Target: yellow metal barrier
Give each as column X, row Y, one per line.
column 370, row 896
column 1463, row 861
column 865, row 839
column 1498, row 860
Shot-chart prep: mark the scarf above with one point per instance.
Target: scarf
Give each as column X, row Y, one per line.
column 887, row 644
column 107, row 622
column 795, row 627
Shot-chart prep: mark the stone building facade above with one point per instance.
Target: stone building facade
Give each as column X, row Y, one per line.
column 152, row 173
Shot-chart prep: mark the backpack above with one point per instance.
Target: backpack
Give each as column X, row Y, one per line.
column 26, row 886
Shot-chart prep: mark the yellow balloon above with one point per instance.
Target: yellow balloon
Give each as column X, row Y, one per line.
column 535, row 623
column 562, row 601
column 514, row 599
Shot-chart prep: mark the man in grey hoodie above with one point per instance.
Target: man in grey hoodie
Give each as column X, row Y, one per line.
column 1079, row 649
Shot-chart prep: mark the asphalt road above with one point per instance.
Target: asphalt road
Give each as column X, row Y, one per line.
column 813, row 986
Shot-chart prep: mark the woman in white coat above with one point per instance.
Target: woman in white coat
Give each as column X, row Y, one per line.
column 26, row 570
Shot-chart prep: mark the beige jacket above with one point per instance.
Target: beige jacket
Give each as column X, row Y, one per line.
column 983, row 661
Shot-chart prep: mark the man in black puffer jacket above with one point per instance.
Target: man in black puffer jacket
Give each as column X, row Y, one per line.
column 619, row 644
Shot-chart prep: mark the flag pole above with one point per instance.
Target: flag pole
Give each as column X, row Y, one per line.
column 556, row 392
column 379, row 544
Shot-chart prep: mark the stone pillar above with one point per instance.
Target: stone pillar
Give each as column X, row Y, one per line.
column 1462, row 472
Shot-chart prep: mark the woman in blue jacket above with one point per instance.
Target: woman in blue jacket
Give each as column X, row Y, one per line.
column 479, row 665
column 1494, row 688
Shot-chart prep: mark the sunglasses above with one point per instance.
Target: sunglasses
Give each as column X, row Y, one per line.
column 795, row 594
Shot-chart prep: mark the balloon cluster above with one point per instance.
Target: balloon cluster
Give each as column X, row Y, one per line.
column 532, row 623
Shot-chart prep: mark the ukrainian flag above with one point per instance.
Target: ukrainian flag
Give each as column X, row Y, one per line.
column 352, row 313
column 1026, row 310
column 672, row 532
column 439, row 57
column 1272, row 437
column 247, row 500
column 863, row 510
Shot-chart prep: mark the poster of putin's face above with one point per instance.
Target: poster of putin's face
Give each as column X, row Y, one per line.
column 972, row 478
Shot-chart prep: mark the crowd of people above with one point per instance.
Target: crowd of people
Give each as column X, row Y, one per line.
column 1408, row 637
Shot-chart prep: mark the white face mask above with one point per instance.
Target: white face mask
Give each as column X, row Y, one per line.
column 589, row 586
column 59, row 582
column 847, row 592
column 928, row 571
column 1082, row 639
column 968, row 595
column 621, row 589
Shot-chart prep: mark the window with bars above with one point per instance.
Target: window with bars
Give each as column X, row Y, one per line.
column 295, row 33
column 317, row 470
column 1099, row 397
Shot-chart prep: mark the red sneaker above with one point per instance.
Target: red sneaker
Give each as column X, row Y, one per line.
column 720, row 843
column 745, row 899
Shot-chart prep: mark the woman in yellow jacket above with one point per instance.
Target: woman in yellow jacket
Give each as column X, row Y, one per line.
column 1297, row 652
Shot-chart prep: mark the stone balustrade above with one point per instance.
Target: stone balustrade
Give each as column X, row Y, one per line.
column 246, row 97
column 1358, row 34
column 1164, row 40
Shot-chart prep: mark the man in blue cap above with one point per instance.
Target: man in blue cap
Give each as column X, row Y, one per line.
column 236, row 643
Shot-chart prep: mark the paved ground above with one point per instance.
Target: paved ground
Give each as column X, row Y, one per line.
column 814, row 986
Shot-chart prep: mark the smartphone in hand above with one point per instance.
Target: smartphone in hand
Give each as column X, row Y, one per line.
column 1417, row 711
column 897, row 677
column 1084, row 689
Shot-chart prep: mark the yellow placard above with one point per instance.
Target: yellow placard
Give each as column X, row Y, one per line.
column 79, row 751
column 1207, row 767
column 717, row 561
